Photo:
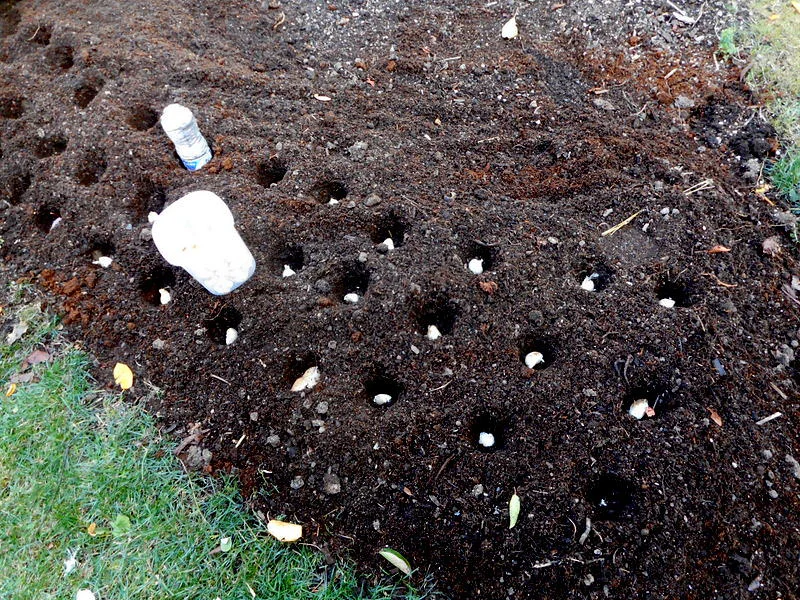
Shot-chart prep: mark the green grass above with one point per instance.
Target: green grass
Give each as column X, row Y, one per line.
column 71, row 457
column 768, row 47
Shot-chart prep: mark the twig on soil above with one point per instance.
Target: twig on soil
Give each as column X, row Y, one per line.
column 443, row 467
column 441, row 387
column 706, row 184
column 720, row 282
column 220, row 378
column 779, row 390
column 774, row 415
column 618, row 226
column 38, row 27
column 585, row 534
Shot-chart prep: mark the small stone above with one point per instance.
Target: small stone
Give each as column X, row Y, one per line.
column 323, row 286
column 486, row 439
column 297, row 483
column 477, row 490
column 414, row 349
column 589, row 393
column 331, row 484
column 376, row 525
column 767, row 454
column 146, row 234
column 159, row 344
column 322, row 408
column 231, row 335
column 772, row 494
column 274, row 441
column 475, row 266
column 792, row 462
column 372, row 200
column 254, row 415
column 604, row 104
column 683, row 102
column 664, row 211
column 317, row 423
column 363, row 257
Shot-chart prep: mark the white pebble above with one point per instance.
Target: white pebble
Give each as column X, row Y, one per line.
column 476, row 266
column 433, row 333
column 639, row 408
column 103, row 261
column 351, row 298
column 533, row 358
column 667, row 302
column 588, row 282
column 231, row 335
column 486, row 439
column 388, row 243
column 287, row 271
column 85, row 595
column 164, row 296
column 307, row 380
column 381, row 399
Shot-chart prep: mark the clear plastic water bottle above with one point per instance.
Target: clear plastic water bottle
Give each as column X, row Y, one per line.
column 181, row 127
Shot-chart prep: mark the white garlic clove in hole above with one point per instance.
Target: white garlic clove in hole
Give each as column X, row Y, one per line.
column 433, row 333
column 103, row 261
column 388, row 243
column 231, row 335
column 667, row 302
column 307, row 380
column 381, row 399
column 486, row 439
column 588, row 282
column 475, row 266
column 533, row 358
column 164, row 296
column 639, row 408
column 288, row 271
column 351, row 298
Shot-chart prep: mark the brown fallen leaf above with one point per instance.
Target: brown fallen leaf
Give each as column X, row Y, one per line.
column 715, row 416
column 27, row 377
column 490, row 287
column 92, row 529
column 37, row 356
column 717, row 249
column 771, row 246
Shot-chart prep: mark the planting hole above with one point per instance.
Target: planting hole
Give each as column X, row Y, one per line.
column 41, row 35
column 142, row 117
column 15, row 186
column 595, row 279
column 49, row 146
column 487, row 433
column 648, row 401
column 60, row 57
column 9, row 18
column 291, row 256
column 47, row 218
column 480, row 257
column 90, row 169
column 537, row 353
column 297, row 365
column 437, row 312
column 151, row 286
column 391, row 226
column 11, row 107
column 100, row 248
column 330, row 191
column 611, row 496
column 383, row 390
column 354, row 281
column 218, row 324
column 270, row 171
column 85, row 93
column 149, row 197
column 673, row 293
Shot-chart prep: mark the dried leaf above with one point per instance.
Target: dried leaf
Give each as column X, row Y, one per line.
column 397, row 559
column 771, row 246
column 490, row 287
column 513, row 510
column 92, row 529
column 715, row 416
column 37, row 356
column 510, row 29
column 28, row 377
column 717, row 249
column 283, row 531
column 123, row 376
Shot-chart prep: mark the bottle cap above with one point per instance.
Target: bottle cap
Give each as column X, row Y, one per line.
column 176, row 116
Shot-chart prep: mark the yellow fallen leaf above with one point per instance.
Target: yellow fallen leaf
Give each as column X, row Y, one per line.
column 123, row 376
column 283, row 531
column 12, row 389
column 92, row 529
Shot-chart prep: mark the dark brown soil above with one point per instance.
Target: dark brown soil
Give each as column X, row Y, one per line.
column 458, row 145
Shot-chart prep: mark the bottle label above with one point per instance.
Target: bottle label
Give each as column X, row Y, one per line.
column 194, row 164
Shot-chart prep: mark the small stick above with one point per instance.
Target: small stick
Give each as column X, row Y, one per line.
column 221, row 379
column 619, row 226
column 777, row 389
column 774, row 415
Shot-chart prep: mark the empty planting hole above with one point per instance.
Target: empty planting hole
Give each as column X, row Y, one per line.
column 270, row 171
column 90, row 169
column 440, row 312
column 15, row 186
column 218, row 323
column 678, row 292
column 391, row 226
column 142, row 117
column 49, row 146
column 45, row 216
column 596, row 278
column 354, row 278
column 11, row 107
column 383, row 390
column 487, row 433
column 61, row 57
column 486, row 256
column 156, row 280
column 327, row 190
column 86, row 92
column 9, row 18
column 537, row 353
column 611, row 496
column 292, row 256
